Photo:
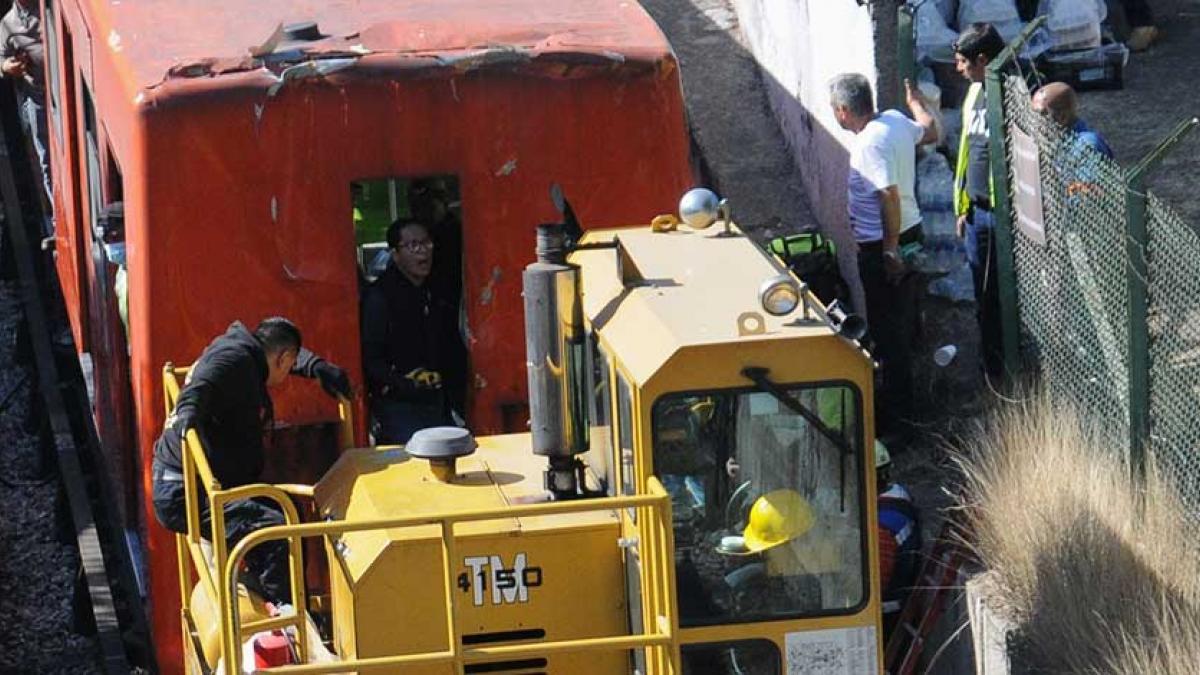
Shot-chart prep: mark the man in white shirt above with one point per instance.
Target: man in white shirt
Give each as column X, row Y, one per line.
column 884, row 217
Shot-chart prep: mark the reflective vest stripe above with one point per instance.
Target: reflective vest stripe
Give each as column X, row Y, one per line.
column 962, row 201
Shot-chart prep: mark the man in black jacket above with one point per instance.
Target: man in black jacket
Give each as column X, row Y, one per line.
column 226, row 400
column 413, row 357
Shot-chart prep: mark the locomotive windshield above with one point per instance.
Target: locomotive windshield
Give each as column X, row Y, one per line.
column 767, row 500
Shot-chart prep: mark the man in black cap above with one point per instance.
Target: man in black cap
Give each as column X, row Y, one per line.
column 226, row 400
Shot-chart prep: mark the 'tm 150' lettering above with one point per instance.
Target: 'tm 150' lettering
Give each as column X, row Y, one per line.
column 508, row 584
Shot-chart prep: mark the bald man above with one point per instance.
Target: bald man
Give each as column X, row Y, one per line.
column 1059, row 102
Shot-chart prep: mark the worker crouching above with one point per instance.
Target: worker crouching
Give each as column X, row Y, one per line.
column 226, row 400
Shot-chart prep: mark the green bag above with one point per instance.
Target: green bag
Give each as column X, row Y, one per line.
column 813, row 257
column 808, row 253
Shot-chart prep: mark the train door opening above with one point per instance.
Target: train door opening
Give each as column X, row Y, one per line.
column 107, row 353
column 408, row 239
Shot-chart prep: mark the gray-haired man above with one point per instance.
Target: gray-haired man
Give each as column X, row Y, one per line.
column 884, row 217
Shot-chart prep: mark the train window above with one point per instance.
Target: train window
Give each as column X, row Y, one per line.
column 600, row 457
column 625, row 439
column 91, row 149
column 114, row 179
column 767, row 501
column 432, row 200
column 625, row 433
column 744, row 657
column 53, row 67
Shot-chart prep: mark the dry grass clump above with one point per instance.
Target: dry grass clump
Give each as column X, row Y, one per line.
column 1100, row 576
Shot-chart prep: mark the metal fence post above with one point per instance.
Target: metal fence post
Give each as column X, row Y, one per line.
column 1137, row 322
column 1138, row 281
column 1002, row 209
column 1002, row 230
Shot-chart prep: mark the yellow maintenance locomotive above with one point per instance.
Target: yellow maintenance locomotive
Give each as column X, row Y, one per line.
column 694, row 494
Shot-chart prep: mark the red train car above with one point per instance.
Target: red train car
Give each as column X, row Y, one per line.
column 256, row 166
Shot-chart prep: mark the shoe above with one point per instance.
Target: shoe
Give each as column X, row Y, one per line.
column 1141, row 37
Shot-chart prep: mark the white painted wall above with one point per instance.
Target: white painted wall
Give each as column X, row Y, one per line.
column 800, row 46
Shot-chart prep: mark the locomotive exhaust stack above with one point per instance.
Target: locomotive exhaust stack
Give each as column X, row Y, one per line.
column 556, row 360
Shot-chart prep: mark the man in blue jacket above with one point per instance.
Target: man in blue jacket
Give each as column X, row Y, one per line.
column 226, row 400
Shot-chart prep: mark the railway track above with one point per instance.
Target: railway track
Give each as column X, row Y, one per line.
column 107, row 600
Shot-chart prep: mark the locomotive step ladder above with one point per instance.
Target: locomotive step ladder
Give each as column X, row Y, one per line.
column 928, row 601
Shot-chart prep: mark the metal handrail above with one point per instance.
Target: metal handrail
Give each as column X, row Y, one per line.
column 188, row 547
column 658, row 582
column 658, row 590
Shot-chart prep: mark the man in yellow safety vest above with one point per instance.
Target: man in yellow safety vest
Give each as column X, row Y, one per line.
column 974, row 193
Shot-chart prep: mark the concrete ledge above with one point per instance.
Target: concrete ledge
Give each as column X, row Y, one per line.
column 990, row 632
column 800, row 45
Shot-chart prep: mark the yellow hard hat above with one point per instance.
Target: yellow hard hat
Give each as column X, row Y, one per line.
column 776, row 518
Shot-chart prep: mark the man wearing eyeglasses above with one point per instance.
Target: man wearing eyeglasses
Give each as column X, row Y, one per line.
column 413, row 357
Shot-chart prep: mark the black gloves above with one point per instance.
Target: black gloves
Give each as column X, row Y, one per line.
column 423, row 378
column 333, row 379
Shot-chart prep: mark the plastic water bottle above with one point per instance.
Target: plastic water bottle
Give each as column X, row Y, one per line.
column 935, row 183
column 957, row 286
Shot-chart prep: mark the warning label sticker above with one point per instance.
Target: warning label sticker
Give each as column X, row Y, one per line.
column 838, row 651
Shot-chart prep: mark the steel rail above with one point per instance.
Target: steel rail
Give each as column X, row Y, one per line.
column 19, row 224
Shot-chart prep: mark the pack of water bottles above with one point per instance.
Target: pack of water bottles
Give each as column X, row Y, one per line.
column 1071, row 24
column 932, row 32
column 942, row 257
column 1002, row 14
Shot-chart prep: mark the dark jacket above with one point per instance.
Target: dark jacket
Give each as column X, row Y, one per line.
column 225, row 399
column 406, row 327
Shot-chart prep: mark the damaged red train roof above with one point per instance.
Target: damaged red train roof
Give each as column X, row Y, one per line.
column 174, row 38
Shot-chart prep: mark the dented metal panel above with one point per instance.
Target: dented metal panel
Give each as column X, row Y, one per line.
column 189, row 38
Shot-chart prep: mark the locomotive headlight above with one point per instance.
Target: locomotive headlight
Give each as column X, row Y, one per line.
column 779, row 295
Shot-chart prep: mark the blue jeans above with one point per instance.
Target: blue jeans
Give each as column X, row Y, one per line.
column 981, row 256
column 267, row 570
column 33, row 115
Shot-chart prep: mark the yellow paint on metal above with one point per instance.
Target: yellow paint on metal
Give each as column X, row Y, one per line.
column 382, row 591
column 414, row 560
column 673, row 326
column 653, row 507
column 691, row 288
column 206, row 616
column 217, row 572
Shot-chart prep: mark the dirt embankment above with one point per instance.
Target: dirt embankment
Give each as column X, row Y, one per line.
column 1160, row 91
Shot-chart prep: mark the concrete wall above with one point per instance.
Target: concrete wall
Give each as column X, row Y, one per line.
column 800, row 45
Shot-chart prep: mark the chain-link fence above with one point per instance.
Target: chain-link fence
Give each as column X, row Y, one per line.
column 1108, row 305
column 1072, row 290
column 1173, row 258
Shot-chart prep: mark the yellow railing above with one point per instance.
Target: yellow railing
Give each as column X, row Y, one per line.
column 191, row 558
column 656, row 546
column 657, row 592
